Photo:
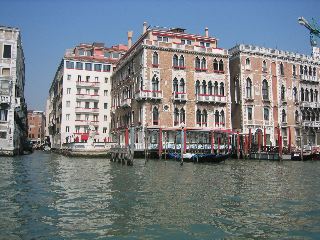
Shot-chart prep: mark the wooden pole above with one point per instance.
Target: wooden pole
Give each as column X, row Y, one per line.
column 289, row 139
column 250, row 138
column 259, row 140
column 219, row 143
column 238, row 145
column 228, row 150
column 265, row 139
column 212, row 142
column 126, row 137
column 184, row 140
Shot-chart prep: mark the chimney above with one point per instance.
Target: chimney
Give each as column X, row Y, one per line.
column 144, row 27
column 206, row 30
column 130, row 39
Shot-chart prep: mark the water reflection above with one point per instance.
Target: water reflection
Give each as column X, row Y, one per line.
column 50, row 196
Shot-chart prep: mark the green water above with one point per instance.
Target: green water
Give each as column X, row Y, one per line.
column 48, row 196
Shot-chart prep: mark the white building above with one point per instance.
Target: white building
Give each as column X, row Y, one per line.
column 13, row 110
column 79, row 97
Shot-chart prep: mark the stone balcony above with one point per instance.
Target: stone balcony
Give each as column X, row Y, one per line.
column 179, row 96
column 307, row 123
column 308, row 79
column 86, row 110
column 211, row 98
column 87, row 84
column 87, row 97
column 148, row 94
column 305, row 104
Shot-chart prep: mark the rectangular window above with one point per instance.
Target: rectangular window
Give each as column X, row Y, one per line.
column 81, row 52
column 68, row 103
column 249, row 113
column 87, row 105
column 88, row 66
column 106, row 80
column 6, row 51
column 78, row 90
column 207, row 44
column 106, row 68
column 6, row 71
column 115, row 55
column 79, row 65
column 107, row 54
column 86, row 117
column 104, row 130
column 96, row 79
column 202, row 44
column 69, row 77
column 3, row 135
column 69, row 65
column 88, row 53
column 79, row 78
column 68, row 90
column 77, row 129
column 105, row 105
column 95, row 105
column 97, row 67
column 95, row 91
column 87, row 78
column 95, row 118
column 78, row 104
column 67, row 117
column 105, row 93
column 78, row 117
column 105, row 118
column 88, row 91
column 266, row 114
column 3, row 115
column 67, row 129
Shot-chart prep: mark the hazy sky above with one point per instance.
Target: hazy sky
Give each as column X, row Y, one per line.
column 50, row 27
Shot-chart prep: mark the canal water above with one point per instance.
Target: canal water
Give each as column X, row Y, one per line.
column 49, row 196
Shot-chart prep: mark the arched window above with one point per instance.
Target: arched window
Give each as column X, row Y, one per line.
column 222, row 118
column 311, row 95
column 155, row 58
column 306, row 95
column 155, row 83
column 314, row 72
column 175, row 61
column 181, row 61
column 296, row 116
column 203, row 63
column 182, row 86
column 284, row 116
column 265, row 90
column 215, row 88
column 176, row 116
column 204, row 117
column 301, row 69
column 317, row 116
column 248, row 88
column 210, row 88
column 204, row 87
column 313, row 116
column 175, row 85
column 264, row 66
column 216, row 118
column 198, row 117
column 295, row 95
column 155, row 116
column 197, row 87
column 310, row 71
column 281, row 69
column 182, row 115
column 215, row 65
column 283, row 93
column 294, row 70
column 302, row 94
column 303, row 115
column 316, row 96
column 308, row 116
column 222, row 89
column 221, row 65
column 197, row 63
column 248, row 62
column 305, row 70
column 266, row 114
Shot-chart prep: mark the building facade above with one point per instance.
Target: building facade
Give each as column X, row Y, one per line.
column 79, row 96
column 13, row 109
column 168, row 80
column 275, row 92
column 36, row 126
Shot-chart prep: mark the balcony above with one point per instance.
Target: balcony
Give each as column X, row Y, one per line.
column 4, row 99
column 148, row 94
column 308, row 78
column 87, row 84
column 125, row 103
column 87, row 97
column 179, row 96
column 86, row 110
column 310, row 104
column 176, row 67
column 306, row 123
column 86, row 122
column 200, row 69
column 210, row 98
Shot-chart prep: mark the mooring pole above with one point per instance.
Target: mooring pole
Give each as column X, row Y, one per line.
column 160, row 143
column 182, row 145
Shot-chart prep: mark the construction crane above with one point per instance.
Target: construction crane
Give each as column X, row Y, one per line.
column 314, row 30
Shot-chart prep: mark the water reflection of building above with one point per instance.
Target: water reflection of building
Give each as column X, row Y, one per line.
column 13, row 109
column 273, row 89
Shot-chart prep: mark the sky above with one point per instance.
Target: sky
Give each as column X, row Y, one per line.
column 50, row 27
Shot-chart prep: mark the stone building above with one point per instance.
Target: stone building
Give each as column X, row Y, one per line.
column 36, row 126
column 79, row 96
column 275, row 91
column 170, row 79
column 13, row 109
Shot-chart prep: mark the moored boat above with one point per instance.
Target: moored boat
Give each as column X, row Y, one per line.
column 199, row 158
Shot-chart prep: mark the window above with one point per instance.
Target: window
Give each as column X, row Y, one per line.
column 88, row 91
column 182, row 115
column 155, row 59
column 314, row 72
column 68, row 90
column 222, row 118
column 6, row 71
column 105, row 118
column 6, row 51
column 86, row 117
column 88, row 66
column 294, row 70
column 105, row 105
column 69, row 77
column 105, row 93
column 175, row 61
column 96, row 79
column 80, row 52
column 68, row 103
column 78, row 104
column 249, row 109
column 106, row 68
column 115, row 55
column 155, row 84
column 88, row 53
column 266, row 114
column 67, row 117
column 204, row 118
column 295, row 95
column 104, row 130
column 207, row 44
column 79, row 78
column 78, row 90
column 87, row 105
column 176, row 116
column 97, row 67
column 215, row 89
column 182, row 86
column 106, row 80
column 67, row 128
column 264, row 66
column 221, row 65
column 79, row 65
column 198, row 117
column 69, row 65
column 296, row 116
column 265, row 90
column 197, row 88
column 175, row 85
column 197, row 63
column 95, row 118
column 181, row 61
column 155, row 116
column 204, row 87
column 3, row 135
column 221, row 89
column 216, row 118
column 162, row 39
column 215, row 65
column 107, row 54
column 302, row 94
column 283, row 93
column 249, row 88
column 281, row 69
column 248, row 63
column 3, row 114
column 210, row 88
column 203, row 63
column 95, row 105
column 284, row 116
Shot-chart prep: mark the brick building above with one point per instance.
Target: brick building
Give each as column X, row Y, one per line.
column 171, row 79
column 36, row 126
column 275, row 91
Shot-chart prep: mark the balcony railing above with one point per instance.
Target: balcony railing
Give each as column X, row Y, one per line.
column 308, row 78
column 307, row 123
column 86, row 122
column 4, row 99
column 179, row 96
column 148, row 94
column 210, row 98
column 89, row 110
column 87, row 97
column 87, row 84
column 125, row 102
column 310, row 104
